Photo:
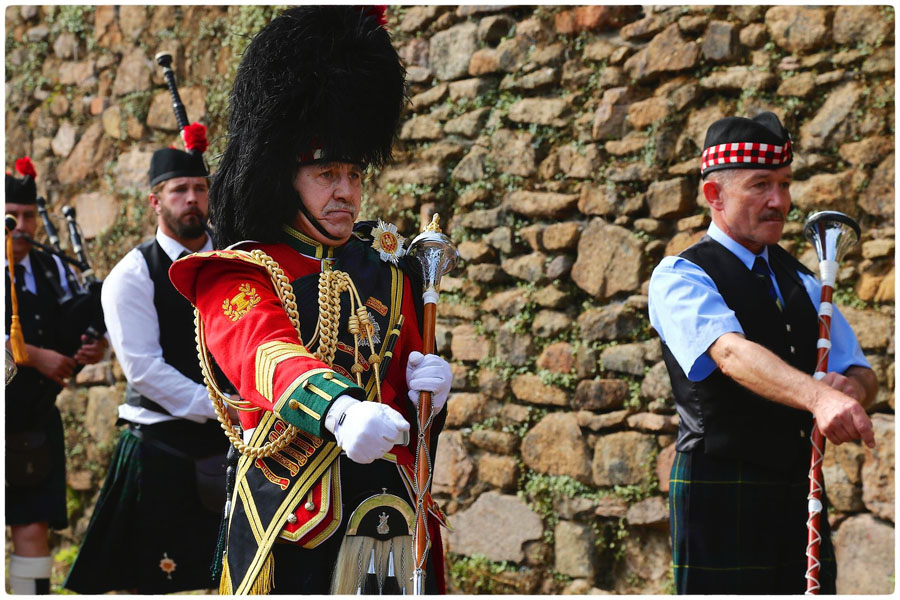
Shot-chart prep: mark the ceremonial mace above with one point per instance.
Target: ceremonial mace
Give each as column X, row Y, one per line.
column 832, row 234
column 437, row 256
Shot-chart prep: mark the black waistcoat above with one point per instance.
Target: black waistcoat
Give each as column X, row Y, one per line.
column 30, row 395
column 176, row 323
column 717, row 414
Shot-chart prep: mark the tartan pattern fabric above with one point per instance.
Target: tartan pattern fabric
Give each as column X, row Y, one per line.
column 743, row 153
column 737, row 528
column 149, row 507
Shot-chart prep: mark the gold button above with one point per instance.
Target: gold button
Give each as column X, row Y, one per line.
column 292, row 518
column 329, row 376
column 802, row 433
column 294, row 405
column 309, row 506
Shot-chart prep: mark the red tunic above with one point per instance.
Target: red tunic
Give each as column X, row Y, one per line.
column 256, row 346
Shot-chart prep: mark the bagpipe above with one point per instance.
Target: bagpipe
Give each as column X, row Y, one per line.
column 79, row 300
column 194, row 134
column 80, row 305
column 83, row 313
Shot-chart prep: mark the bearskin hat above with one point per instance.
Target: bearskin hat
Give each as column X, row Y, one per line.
column 319, row 83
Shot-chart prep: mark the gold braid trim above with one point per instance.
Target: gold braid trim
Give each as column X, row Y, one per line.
column 331, row 285
column 264, row 583
column 285, row 291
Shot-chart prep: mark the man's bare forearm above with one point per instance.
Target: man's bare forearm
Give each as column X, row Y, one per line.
column 833, row 401
column 867, row 381
column 762, row 371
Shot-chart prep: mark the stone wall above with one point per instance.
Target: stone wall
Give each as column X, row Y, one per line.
column 560, row 146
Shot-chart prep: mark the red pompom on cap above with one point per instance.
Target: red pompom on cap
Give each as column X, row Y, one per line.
column 195, row 137
column 377, row 11
column 25, row 167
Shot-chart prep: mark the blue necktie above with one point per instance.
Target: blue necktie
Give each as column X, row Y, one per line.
column 761, row 270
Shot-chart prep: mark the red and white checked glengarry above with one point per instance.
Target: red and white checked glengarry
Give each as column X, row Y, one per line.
column 745, row 153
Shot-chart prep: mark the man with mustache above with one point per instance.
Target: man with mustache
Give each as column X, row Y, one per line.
column 151, row 533
column 35, row 443
column 737, row 316
column 316, row 101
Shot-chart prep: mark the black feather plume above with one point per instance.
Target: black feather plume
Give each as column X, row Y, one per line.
column 316, row 78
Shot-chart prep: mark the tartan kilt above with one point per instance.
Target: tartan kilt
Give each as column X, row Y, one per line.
column 739, row 528
column 149, row 532
column 46, row 501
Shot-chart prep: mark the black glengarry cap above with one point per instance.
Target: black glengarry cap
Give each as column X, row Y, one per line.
column 741, row 143
column 169, row 163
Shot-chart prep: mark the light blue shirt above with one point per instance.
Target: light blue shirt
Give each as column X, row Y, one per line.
column 689, row 313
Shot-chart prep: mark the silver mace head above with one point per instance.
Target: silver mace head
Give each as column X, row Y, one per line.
column 436, row 254
column 832, row 234
column 11, row 367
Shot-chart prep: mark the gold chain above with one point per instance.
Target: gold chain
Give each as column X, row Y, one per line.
column 331, row 285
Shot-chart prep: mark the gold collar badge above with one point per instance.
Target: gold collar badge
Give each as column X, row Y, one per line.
column 387, row 242
column 241, row 303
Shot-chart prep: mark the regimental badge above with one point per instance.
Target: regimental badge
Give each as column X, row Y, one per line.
column 383, row 528
column 376, row 333
column 241, row 303
column 387, row 242
column 167, row 565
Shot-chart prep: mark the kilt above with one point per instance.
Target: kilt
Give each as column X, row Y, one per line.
column 739, row 528
column 150, row 532
column 46, row 501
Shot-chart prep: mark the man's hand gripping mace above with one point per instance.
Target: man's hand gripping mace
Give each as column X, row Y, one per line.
column 437, row 256
column 832, row 234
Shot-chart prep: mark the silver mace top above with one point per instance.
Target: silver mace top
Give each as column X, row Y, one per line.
column 10, row 368
column 832, row 234
column 436, row 254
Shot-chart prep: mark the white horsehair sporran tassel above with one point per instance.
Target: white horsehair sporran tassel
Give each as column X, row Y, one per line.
column 372, row 558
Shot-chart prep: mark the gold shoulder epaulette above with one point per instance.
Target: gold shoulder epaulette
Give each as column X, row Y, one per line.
column 242, row 255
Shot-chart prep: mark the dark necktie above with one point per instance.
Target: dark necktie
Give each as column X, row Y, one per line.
column 19, row 271
column 183, row 254
column 761, row 270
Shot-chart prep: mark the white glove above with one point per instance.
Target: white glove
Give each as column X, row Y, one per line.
column 429, row 373
column 365, row 430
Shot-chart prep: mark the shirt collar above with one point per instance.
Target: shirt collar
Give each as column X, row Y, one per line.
column 745, row 256
column 173, row 248
column 25, row 262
